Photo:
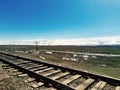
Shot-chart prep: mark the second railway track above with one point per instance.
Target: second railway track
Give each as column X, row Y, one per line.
column 40, row 74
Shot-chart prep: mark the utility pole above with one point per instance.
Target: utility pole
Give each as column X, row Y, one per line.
column 36, row 46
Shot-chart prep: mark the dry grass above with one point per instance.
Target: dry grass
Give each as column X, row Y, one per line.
column 55, row 59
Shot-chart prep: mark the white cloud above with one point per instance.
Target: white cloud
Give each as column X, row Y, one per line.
column 81, row 41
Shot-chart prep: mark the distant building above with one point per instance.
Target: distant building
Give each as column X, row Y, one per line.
column 71, row 59
column 94, row 57
column 64, row 58
column 85, row 57
column 74, row 59
column 49, row 52
column 19, row 51
column 41, row 57
column 74, row 55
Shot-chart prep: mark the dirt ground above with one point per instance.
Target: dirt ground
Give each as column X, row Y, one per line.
column 9, row 82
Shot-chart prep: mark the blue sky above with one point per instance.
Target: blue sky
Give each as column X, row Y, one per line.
column 58, row 19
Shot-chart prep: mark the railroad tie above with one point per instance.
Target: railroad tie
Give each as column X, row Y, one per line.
column 60, row 75
column 44, row 70
column 117, row 88
column 7, row 67
column 15, row 70
column 22, row 63
column 52, row 89
column 39, row 68
column 53, row 72
column 36, row 85
column 100, row 85
column 25, row 65
column 29, row 80
column 22, row 75
column 85, row 84
column 34, row 67
column 10, row 69
column 4, row 65
column 71, row 79
column 17, row 73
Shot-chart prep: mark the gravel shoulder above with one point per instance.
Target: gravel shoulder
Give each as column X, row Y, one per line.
column 9, row 82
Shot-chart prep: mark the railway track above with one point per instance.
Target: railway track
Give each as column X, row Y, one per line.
column 38, row 74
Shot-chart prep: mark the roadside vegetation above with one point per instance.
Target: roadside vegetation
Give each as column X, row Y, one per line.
column 90, row 49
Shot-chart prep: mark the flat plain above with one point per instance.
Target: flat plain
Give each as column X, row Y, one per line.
column 100, row 65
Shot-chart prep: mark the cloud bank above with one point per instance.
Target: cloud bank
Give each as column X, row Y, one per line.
column 81, row 41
